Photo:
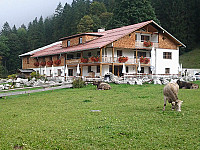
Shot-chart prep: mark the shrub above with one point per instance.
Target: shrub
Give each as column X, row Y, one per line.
column 78, row 83
column 12, row 76
column 35, row 75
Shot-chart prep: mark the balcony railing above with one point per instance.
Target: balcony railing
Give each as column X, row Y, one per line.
column 107, row 60
column 139, row 44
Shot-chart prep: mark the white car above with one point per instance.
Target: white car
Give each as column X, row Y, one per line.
column 197, row 75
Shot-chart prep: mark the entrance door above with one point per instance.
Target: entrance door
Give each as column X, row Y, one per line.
column 70, row 72
column 118, row 71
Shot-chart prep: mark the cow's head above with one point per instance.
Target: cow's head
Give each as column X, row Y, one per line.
column 178, row 104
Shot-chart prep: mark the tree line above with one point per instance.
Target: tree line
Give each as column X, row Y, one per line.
column 179, row 17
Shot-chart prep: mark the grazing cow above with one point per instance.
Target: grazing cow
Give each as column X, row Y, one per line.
column 102, row 85
column 170, row 92
column 187, row 85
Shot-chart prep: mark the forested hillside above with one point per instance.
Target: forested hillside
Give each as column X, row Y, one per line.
column 179, row 17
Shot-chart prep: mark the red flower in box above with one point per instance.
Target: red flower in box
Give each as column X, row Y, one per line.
column 146, row 60
column 122, row 59
column 148, row 43
column 36, row 64
column 84, row 60
column 57, row 62
column 142, row 59
column 43, row 63
column 50, row 63
column 94, row 58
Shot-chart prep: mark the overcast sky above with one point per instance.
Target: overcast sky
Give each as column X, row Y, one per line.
column 20, row 12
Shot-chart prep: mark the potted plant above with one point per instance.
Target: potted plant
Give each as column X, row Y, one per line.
column 50, row 63
column 57, row 62
column 94, row 58
column 141, row 59
column 36, row 64
column 148, row 43
column 146, row 60
column 122, row 59
column 43, row 63
column 84, row 60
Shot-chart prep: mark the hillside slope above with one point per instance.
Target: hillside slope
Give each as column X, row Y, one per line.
column 191, row 59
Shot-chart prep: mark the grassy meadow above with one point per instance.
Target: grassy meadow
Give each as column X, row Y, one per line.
column 129, row 117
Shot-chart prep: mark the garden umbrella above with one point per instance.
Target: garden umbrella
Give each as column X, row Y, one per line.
column 52, row 68
column 124, row 70
column 66, row 70
column 45, row 70
column 139, row 68
column 78, row 70
column 153, row 60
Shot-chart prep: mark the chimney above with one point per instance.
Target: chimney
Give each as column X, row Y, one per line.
column 101, row 30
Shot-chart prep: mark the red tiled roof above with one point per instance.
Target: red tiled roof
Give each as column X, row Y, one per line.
column 106, row 38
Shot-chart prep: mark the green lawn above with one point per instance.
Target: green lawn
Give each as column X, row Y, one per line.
column 131, row 117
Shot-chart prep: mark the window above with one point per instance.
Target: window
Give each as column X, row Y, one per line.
column 70, row 72
column 110, row 68
column 141, row 54
column 27, row 60
column 167, row 55
column 59, row 72
column 43, row 59
column 136, row 37
column 98, row 53
column 70, row 56
column 78, row 55
column 51, row 58
column 98, row 69
column 126, row 69
column 142, row 70
column 145, row 38
column 58, row 57
column 119, row 53
column 80, row 40
column 68, row 43
column 89, row 69
column 167, row 70
column 89, row 54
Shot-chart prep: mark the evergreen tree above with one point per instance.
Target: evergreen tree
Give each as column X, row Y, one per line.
column 130, row 12
column 86, row 24
column 97, row 8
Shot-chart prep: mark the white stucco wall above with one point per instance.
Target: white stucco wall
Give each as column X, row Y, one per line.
column 161, row 63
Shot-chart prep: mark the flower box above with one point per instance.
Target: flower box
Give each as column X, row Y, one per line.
column 57, row 62
column 141, row 59
column 148, row 43
column 50, row 63
column 43, row 63
column 144, row 60
column 122, row 59
column 36, row 64
column 84, row 60
column 94, row 58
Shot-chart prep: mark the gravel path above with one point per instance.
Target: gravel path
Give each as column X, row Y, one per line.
column 34, row 91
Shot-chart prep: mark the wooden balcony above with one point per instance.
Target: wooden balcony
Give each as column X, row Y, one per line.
column 107, row 60
column 139, row 44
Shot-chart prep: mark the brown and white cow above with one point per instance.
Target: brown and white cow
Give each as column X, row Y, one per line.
column 170, row 92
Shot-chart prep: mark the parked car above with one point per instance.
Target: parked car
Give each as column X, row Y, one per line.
column 197, row 75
